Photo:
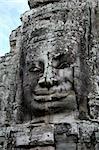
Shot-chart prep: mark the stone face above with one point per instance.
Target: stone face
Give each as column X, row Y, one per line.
column 49, row 60
column 49, row 69
column 58, row 57
column 49, row 82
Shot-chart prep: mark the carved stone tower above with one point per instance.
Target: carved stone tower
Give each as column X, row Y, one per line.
column 49, row 82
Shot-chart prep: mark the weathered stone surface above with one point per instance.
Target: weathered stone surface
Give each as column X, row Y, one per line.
column 8, row 74
column 42, row 136
column 43, row 148
column 15, row 40
column 36, row 3
column 97, row 146
column 45, row 32
column 49, row 82
column 66, row 146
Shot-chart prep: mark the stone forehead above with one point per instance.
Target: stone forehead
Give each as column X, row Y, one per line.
column 47, row 47
column 53, row 48
column 44, row 53
column 50, row 30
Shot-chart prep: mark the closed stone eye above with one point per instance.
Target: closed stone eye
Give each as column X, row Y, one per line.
column 35, row 69
column 62, row 65
column 60, row 61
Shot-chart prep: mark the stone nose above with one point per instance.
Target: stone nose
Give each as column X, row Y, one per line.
column 47, row 82
column 48, row 79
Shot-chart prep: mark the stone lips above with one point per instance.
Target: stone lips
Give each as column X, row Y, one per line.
column 52, row 104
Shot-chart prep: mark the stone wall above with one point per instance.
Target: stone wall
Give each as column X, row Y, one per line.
column 62, row 136
column 8, row 71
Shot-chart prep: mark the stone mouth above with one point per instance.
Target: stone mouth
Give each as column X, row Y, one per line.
column 51, row 97
column 43, row 92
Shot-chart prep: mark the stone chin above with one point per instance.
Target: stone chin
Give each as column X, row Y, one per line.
column 44, row 105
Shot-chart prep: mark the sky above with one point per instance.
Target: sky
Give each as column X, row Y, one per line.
column 10, row 12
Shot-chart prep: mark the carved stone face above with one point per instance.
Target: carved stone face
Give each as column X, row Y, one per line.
column 48, row 81
column 51, row 41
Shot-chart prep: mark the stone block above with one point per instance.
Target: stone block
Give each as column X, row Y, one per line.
column 97, row 136
column 2, row 117
column 42, row 136
column 66, row 146
column 2, row 139
column 81, row 146
column 43, row 148
column 22, row 139
column 97, row 146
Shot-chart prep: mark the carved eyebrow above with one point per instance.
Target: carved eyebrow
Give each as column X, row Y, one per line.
column 35, row 63
column 30, row 62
